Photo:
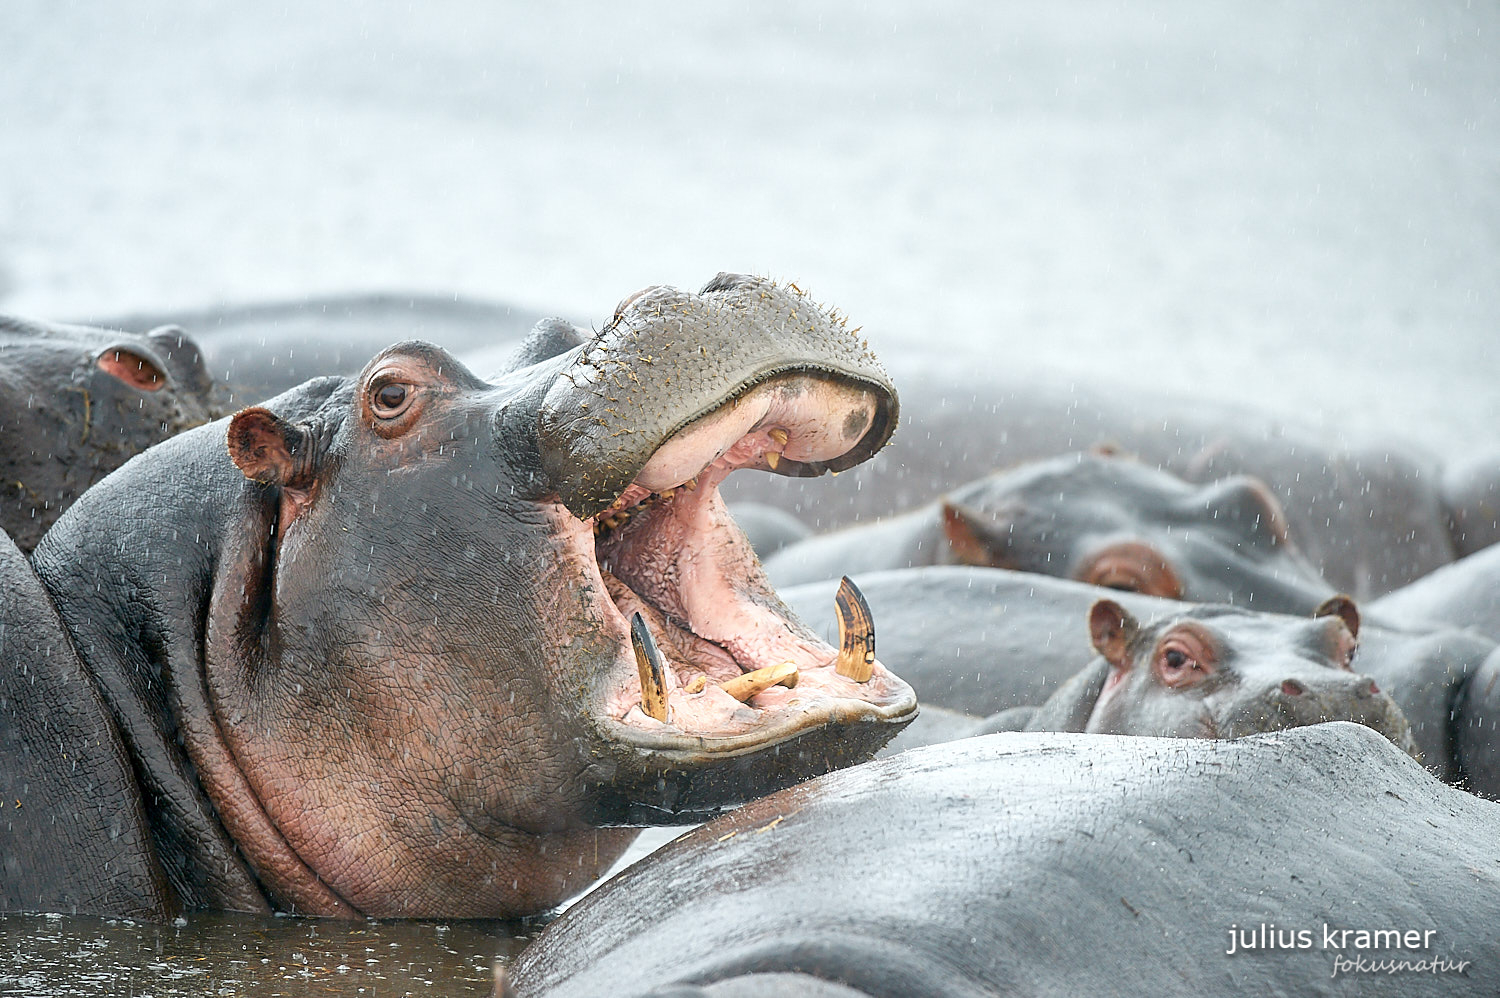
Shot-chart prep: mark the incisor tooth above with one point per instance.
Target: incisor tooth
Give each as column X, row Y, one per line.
column 648, row 664
column 773, row 459
column 696, row 685
column 856, row 633
column 779, row 435
column 745, row 686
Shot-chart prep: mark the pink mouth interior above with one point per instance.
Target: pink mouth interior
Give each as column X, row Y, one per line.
column 668, row 549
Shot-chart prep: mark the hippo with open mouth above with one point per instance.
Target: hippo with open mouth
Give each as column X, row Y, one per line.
column 415, row 637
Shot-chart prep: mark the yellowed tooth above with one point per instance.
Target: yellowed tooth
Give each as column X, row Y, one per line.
column 648, row 663
column 696, row 685
column 691, row 484
column 773, row 459
column 745, row 686
column 779, row 435
column 856, row 659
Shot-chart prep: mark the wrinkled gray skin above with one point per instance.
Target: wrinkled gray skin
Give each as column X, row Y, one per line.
column 1217, row 672
column 71, row 807
column 357, row 646
column 264, row 349
column 1094, row 518
column 1053, row 864
column 982, row 641
column 1370, row 518
column 1463, row 594
column 77, row 402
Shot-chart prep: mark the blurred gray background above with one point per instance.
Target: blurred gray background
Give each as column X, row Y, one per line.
column 1289, row 204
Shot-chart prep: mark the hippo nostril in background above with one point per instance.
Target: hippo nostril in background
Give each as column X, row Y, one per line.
column 1371, row 688
column 1292, row 688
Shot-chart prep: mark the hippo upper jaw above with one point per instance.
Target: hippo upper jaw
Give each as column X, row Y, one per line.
column 704, row 734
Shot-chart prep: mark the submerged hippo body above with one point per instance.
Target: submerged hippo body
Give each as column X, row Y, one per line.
column 983, row 641
column 1095, row 518
column 401, row 646
column 1463, row 594
column 1369, row 518
column 1057, row 864
column 76, row 402
column 1218, row 672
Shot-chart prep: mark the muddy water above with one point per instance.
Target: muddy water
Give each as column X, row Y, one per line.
column 223, row 954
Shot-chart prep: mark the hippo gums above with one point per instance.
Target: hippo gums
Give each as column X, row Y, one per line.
column 1218, row 672
column 416, row 638
column 77, row 402
column 1097, row 518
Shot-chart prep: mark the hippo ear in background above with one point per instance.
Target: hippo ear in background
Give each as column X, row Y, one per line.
column 272, row 451
column 547, row 339
column 1112, row 629
column 183, row 357
column 132, row 366
column 1340, row 606
column 1246, row 500
column 973, row 540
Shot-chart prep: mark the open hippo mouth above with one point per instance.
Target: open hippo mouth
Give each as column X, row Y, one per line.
column 709, row 666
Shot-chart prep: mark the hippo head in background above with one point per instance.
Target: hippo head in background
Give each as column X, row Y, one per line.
column 78, row 402
column 432, row 631
column 1111, row 521
column 1221, row 672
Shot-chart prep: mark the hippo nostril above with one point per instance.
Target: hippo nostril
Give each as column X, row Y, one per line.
column 1371, row 688
column 1292, row 688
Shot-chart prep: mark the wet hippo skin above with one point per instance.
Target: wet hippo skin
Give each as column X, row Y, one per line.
column 1369, row 517
column 985, row 640
column 390, row 644
column 1047, row 864
column 1216, row 672
column 1097, row 518
column 76, row 402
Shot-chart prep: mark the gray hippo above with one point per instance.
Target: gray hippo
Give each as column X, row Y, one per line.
column 1471, row 493
column 1463, row 594
column 980, row 641
column 77, row 402
column 262, row 349
column 1315, row 861
column 1096, row 518
column 402, row 644
column 1370, row 518
column 1215, row 672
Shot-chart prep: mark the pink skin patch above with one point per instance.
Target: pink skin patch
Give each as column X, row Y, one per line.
column 670, row 551
column 133, row 369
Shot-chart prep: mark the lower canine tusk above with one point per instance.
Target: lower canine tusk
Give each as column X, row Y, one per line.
column 648, row 663
column 856, row 659
column 744, row 687
column 773, row 459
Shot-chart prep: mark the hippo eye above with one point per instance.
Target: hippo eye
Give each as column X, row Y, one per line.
column 1176, row 659
column 391, row 400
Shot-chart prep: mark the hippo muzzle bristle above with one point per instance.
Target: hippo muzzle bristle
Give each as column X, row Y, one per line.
column 653, row 673
column 856, row 633
column 745, row 686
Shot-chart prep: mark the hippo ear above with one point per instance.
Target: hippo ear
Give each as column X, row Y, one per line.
column 135, row 367
column 1112, row 629
column 272, row 451
column 1340, row 606
column 1250, row 502
column 971, row 541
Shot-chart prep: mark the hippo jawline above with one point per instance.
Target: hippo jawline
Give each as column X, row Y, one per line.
column 668, row 550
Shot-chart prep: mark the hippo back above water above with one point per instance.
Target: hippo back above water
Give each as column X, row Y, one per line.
column 1096, row 518
column 77, row 402
column 409, row 640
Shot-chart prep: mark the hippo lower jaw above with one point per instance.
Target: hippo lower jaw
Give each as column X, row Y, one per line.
column 668, row 550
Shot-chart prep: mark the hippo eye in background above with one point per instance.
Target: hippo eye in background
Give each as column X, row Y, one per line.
column 1131, row 567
